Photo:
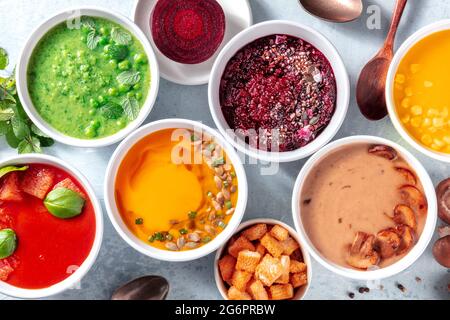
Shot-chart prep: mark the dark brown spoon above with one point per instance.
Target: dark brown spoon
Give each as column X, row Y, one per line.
column 144, row 288
column 370, row 90
column 334, row 10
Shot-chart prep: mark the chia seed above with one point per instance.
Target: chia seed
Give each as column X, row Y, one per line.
column 279, row 82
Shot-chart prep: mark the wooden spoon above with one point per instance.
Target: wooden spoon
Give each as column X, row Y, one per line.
column 370, row 90
column 144, row 288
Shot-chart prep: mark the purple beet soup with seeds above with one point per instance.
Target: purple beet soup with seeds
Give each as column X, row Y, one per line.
column 282, row 88
column 188, row 31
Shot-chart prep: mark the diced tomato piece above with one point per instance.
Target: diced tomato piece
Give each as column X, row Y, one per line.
column 69, row 184
column 37, row 182
column 10, row 189
column 7, row 266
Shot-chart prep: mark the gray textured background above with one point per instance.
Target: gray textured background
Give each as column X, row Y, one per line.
column 269, row 196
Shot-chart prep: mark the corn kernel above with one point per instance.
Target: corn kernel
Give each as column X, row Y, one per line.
column 405, row 119
column 427, row 139
column 438, row 122
column 408, row 92
column 426, row 122
column 432, row 112
column 405, row 103
column 414, row 68
column 400, row 78
column 435, row 147
column 446, row 139
column 428, row 84
column 416, row 121
column 438, row 143
column 416, row 110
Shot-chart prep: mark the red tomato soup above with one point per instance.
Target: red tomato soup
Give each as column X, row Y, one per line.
column 48, row 248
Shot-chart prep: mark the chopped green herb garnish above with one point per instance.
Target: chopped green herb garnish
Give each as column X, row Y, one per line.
column 233, row 174
column 183, row 231
column 228, row 204
column 206, row 239
column 151, row 239
column 139, row 221
column 220, row 216
column 192, row 214
column 194, row 137
column 211, row 147
column 218, row 162
column 159, row 236
column 222, row 224
column 209, row 194
column 169, row 236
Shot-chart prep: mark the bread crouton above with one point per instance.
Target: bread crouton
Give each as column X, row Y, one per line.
column 297, row 266
column 285, row 262
column 289, row 245
column 227, row 265
column 279, row 233
column 241, row 243
column 281, row 291
column 257, row 291
column 255, row 232
column 248, row 260
column 298, row 279
column 272, row 245
column 260, row 249
column 240, row 279
column 236, row 294
column 268, row 270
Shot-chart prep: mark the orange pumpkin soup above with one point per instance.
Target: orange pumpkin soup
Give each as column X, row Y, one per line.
column 176, row 189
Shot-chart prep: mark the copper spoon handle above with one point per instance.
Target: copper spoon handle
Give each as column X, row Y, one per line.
column 398, row 12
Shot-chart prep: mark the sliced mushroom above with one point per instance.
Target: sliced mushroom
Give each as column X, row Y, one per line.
column 408, row 175
column 362, row 254
column 383, row 151
column 443, row 195
column 441, row 251
column 408, row 238
column 387, row 243
column 405, row 215
column 414, row 198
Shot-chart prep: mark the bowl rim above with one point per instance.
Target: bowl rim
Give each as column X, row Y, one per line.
column 410, row 42
column 87, row 264
column 114, row 214
column 342, row 88
column 424, row 239
column 292, row 232
column 28, row 48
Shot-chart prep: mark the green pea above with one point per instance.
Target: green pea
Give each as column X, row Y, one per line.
column 113, row 63
column 94, row 103
column 113, row 92
column 123, row 88
column 106, row 48
column 83, row 38
column 137, row 86
column 103, row 31
column 120, row 123
column 138, row 95
column 90, row 132
column 85, row 29
column 92, row 112
column 95, row 124
column 130, row 94
column 124, row 65
column 84, row 67
column 102, row 99
column 140, row 58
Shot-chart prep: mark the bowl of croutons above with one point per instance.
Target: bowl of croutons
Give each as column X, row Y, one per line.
column 264, row 260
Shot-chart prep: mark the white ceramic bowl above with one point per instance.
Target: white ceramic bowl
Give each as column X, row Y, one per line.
column 299, row 294
column 401, row 52
column 265, row 29
column 76, row 277
column 413, row 254
column 119, row 224
column 35, row 37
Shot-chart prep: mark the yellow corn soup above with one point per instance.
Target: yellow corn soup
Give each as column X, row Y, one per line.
column 422, row 92
column 176, row 191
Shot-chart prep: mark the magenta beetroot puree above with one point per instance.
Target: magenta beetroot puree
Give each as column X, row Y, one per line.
column 278, row 82
column 188, row 31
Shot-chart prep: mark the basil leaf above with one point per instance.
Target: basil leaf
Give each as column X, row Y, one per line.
column 3, row 59
column 129, row 77
column 6, row 96
column 6, row 114
column 11, row 139
column 111, row 110
column 120, row 36
column 46, row 142
column 5, row 170
column 131, row 108
column 20, row 128
column 64, row 203
column 8, row 243
column 92, row 40
column 29, row 145
column 38, row 131
column 4, row 127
